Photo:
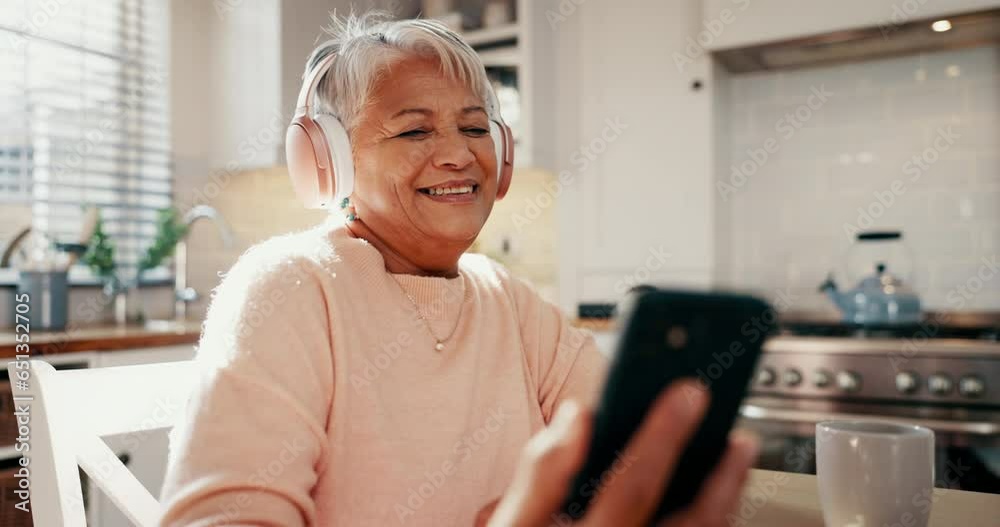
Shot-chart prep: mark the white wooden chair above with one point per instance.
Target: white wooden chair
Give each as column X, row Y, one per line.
column 72, row 410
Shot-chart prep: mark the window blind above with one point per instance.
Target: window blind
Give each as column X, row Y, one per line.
column 84, row 115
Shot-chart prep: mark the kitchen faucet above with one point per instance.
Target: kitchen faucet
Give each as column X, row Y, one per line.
column 183, row 295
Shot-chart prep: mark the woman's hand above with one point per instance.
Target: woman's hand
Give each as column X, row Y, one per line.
column 554, row 456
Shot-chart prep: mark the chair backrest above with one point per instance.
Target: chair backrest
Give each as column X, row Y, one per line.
column 72, row 409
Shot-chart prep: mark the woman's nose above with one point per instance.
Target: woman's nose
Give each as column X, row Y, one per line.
column 451, row 151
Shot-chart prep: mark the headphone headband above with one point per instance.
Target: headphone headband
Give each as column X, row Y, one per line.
column 310, row 83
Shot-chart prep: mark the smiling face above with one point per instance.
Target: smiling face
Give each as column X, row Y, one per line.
column 425, row 166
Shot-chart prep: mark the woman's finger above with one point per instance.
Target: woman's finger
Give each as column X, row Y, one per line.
column 631, row 496
column 721, row 491
column 549, row 461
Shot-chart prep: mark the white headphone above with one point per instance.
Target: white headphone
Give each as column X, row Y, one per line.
column 318, row 150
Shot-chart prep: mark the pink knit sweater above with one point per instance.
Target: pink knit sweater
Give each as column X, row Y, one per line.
column 324, row 402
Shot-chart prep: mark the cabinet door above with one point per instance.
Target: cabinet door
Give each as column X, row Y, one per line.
column 751, row 22
column 144, row 453
column 642, row 152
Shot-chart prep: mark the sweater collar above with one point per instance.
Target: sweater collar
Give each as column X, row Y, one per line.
column 439, row 299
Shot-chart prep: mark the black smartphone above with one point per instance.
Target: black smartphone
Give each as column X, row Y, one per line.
column 667, row 335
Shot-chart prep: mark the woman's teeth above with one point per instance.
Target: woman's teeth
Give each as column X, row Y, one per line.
column 449, row 190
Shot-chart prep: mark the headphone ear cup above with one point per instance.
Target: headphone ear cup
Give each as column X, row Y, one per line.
column 503, row 146
column 308, row 162
column 341, row 160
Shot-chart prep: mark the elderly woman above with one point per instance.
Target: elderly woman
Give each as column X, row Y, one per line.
column 367, row 372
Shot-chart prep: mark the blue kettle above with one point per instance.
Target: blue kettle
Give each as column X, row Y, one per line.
column 878, row 299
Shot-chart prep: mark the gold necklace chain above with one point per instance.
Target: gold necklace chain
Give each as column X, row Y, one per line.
column 439, row 342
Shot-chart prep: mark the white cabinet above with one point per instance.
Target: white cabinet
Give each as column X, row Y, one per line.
column 226, row 99
column 751, row 22
column 635, row 142
column 145, row 453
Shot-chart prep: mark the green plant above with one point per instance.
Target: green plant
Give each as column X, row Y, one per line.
column 100, row 254
column 169, row 231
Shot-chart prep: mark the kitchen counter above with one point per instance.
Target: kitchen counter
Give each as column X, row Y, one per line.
column 781, row 499
column 101, row 338
column 595, row 324
column 955, row 322
column 113, row 337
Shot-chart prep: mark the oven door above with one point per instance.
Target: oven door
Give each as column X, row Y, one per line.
column 967, row 441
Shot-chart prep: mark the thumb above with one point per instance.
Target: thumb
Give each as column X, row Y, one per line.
column 547, row 465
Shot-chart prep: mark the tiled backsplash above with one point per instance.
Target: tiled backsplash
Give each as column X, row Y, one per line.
column 525, row 230
column 257, row 204
column 910, row 143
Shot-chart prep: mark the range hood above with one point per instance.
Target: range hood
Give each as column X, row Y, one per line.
column 913, row 36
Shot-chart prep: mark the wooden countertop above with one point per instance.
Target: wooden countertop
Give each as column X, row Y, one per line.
column 101, row 338
column 113, row 337
column 595, row 324
column 792, row 500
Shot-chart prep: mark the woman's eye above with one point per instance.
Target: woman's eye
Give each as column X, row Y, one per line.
column 476, row 132
column 418, row 133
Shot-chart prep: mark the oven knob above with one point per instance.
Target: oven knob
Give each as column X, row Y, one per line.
column 765, row 376
column 791, row 377
column 907, row 382
column 849, row 381
column 939, row 384
column 822, row 378
column 971, row 386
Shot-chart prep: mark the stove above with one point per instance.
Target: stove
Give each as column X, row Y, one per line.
column 946, row 378
column 935, row 372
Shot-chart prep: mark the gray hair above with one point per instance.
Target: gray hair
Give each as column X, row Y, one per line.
column 367, row 44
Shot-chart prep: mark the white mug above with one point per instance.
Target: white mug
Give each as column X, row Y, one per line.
column 873, row 474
